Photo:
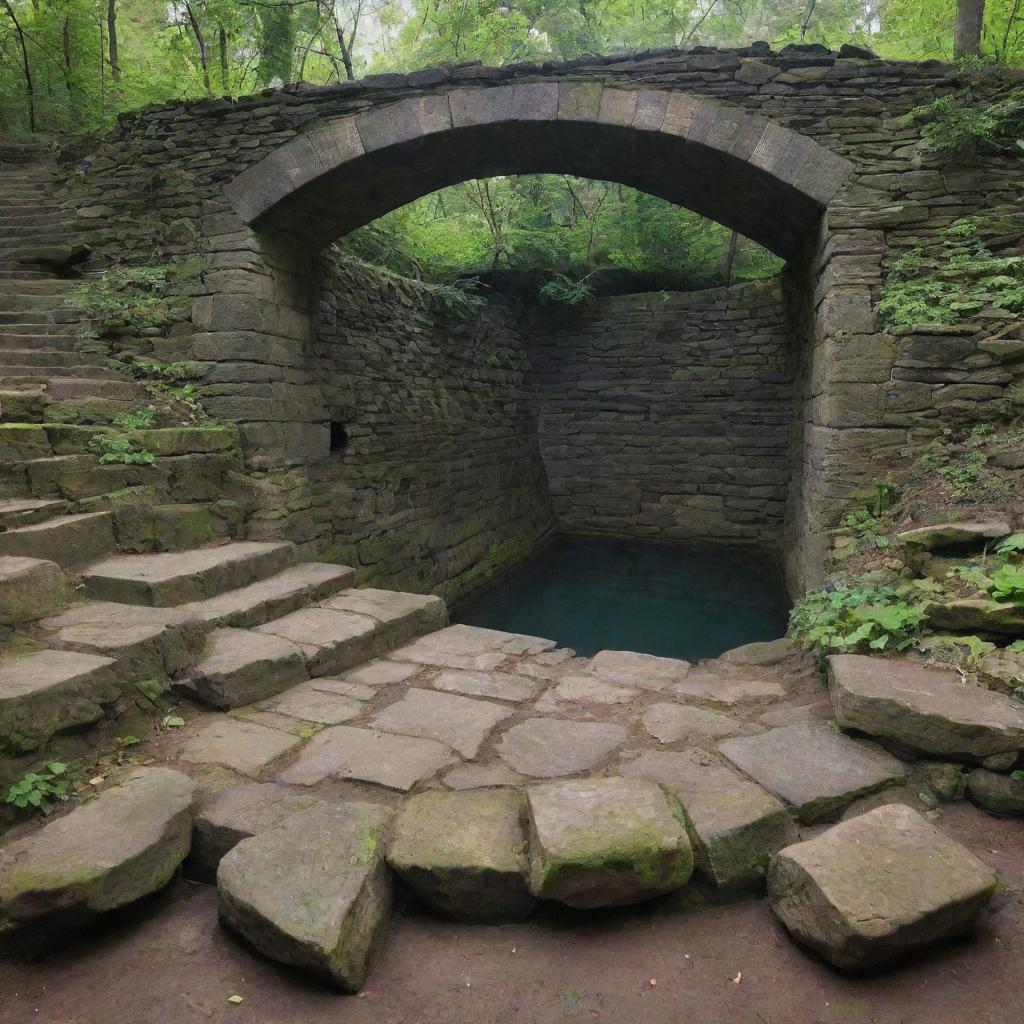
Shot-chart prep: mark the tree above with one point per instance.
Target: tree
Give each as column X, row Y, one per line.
column 970, row 19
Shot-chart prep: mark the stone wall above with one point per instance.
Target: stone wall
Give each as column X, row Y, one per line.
column 440, row 484
column 669, row 416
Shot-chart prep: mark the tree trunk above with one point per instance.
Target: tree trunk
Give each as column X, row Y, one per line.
column 730, row 258
column 29, row 88
column 115, row 67
column 222, row 39
column 970, row 16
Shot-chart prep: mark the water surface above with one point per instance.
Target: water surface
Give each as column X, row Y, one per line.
column 594, row 595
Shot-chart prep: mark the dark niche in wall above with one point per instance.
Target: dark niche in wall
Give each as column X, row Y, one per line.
column 339, row 438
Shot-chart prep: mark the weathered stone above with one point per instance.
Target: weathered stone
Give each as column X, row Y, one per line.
column 877, row 887
column 996, row 793
column 921, row 708
column 672, row 723
column 30, row 588
column 458, row 722
column 734, row 686
column 464, row 854
column 1002, row 670
column 942, row 535
column 762, row 653
column 499, row 685
column 312, row 892
column 240, row 666
column 469, row 647
column 642, row 671
column 234, row 814
column 479, row 776
column 381, row 673
column 734, row 825
column 244, row 747
column 586, row 689
column 402, row 615
column 312, row 704
column 548, row 747
column 398, row 762
column 331, row 641
column 112, row 851
column 976, row 615
column 48, row 692
column 813, row 767
column 344, row 688
column 605, row 842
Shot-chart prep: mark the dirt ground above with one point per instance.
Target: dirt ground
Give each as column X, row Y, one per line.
column 169, row 962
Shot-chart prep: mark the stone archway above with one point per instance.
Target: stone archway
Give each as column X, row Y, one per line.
column 743, row 170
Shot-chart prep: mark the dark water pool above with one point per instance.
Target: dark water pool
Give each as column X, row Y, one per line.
column 598, row 595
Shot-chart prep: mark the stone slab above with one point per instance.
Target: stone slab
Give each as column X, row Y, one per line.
column 344, row 752
column 996, row 792
column 924, row 709
column 312, row 704
column 469, row 647
column 459, row 722
column 762, row 653
column 331, row 641
column 313, row 892
column 549, row 747
column 942, row 535
column 605, row 842
column 464, row 854
column 498, row 685
column 401, row 615
column 877, row 887
column 728, row 687
column 734, row 825
column 584, row 688
column 235, row 814
column 813, row 767
column 30, row 588
column 479, row 776
column 123, row 845
column 382, row 672
column 642, row 671
column 245, row 747
column 675, row 723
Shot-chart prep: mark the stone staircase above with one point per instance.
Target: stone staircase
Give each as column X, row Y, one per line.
column 120, row 581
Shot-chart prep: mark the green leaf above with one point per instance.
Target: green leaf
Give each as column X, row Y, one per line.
column 173, row 721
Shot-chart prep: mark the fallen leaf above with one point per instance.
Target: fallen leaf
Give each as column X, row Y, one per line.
column 234, row 1000
column 738, row 978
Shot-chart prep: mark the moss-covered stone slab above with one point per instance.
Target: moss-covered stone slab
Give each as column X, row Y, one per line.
column 47, row 692
column 924, row 709
column 877, row 887
column 464, row 853
column 461, row 723
column 1002, row 670
column 996, row 792
column 234, row 814
column 813, row 767
column 605, row 842
column 112, row 851
column 546, row 748
column 733, row 824
column 30, row 589
column 313, row 893
column 976, row 615
column 69, row 541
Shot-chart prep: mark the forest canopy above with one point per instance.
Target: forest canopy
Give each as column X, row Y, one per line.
column 67, row 67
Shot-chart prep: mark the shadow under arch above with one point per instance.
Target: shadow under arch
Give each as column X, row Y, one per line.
column 743, row 170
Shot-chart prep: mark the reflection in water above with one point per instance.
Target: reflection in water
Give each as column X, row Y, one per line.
column 595, row 595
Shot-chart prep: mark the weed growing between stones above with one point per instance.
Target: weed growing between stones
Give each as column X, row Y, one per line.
column 119, row 449
column 41, row 791
column 957, row 126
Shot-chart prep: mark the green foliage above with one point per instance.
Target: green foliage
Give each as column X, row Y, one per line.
column 138, row 420
column 119, row 449
column 953, row 282
column 857, row 618
column 957, row 126
column 565, row 290
column 865, row 527
column 963, row 463
column 140, row 295
column 1007, row 583
column 41, row 791
column 1014, row 544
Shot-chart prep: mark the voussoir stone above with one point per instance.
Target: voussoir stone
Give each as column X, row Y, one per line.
column 235, row 814
column 313, row 892
column 924, row 709
column 112, row 851
column 643, row 671
column 876, row 887
column 549, row 747
column 605, row 842
column 464, row 853
column 813, row 767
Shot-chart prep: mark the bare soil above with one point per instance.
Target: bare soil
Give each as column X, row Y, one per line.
column 168, row 962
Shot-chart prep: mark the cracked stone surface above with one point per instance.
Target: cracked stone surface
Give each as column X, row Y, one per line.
column 671, row 723
column 245, row 747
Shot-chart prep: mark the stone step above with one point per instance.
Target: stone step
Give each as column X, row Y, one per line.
column 70, row 540
column 176, row 578
column 22, row 405
column 47, row 692
column 244, row 666
column 63, row 343
column 30, row 588
column 44, row 357
column 273, row 597
column 16, row 512
column 88, row 386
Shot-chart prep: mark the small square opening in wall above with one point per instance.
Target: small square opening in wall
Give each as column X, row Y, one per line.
column 339, row 438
